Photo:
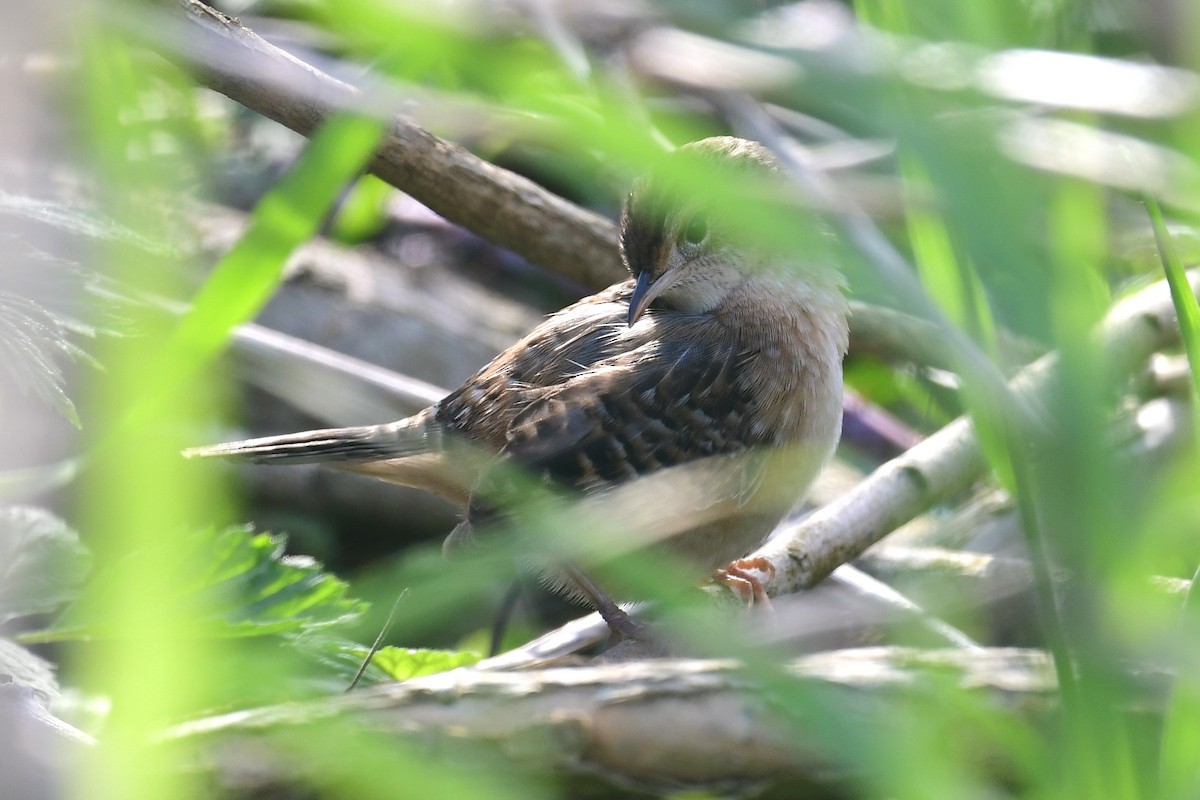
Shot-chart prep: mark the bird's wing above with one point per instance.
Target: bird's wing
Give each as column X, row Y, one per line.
column 658, row 406
column 634, row 415
column 566, row 345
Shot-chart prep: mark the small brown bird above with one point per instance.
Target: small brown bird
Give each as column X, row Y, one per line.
column 715, row 376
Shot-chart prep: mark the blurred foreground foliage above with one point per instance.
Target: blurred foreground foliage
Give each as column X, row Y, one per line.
column 1003, row 151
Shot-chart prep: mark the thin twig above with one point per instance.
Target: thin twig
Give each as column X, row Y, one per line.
column 387, row 626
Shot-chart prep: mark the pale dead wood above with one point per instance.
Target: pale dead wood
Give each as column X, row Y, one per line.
column 957, row 573
column 1150, row 436
column 950, row 460
column 658, row 724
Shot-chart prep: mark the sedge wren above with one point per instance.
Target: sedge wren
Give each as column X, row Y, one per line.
column 718, row 366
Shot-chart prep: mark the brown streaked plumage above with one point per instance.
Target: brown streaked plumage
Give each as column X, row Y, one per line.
column 719, row 358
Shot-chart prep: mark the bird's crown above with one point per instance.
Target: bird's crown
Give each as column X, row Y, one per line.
column 691, row 195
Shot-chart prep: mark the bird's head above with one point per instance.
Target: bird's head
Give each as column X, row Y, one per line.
column 679, row 233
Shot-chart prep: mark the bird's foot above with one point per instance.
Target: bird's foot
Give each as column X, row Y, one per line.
column 745, row 577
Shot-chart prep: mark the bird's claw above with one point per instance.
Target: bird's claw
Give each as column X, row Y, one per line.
column 743, row 577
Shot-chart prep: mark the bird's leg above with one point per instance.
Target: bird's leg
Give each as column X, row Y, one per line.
column 618, row 621
column 504, row 614
column 742, row 576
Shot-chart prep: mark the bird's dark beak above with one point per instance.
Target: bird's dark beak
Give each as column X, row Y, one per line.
column 644, row 291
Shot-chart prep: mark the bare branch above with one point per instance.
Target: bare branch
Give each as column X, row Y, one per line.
column 494, row 203
column 950, row 460
column 658, row 724
column 499, row 205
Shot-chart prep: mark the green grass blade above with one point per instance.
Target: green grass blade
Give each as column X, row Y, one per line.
column 242, row 282
column 1179, row 769
column 1182, row 296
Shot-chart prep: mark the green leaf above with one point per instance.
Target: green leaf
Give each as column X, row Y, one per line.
column 42, row 562
column 27, row 669
column 32, row 341
column 402, row 663
column 343, row 658
column 337, row 657
column 248, row 588
column 266, row 591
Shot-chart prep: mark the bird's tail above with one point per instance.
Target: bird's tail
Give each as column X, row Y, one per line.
column 416, row 435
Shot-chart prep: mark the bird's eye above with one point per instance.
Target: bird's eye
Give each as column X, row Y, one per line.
column 696, row 230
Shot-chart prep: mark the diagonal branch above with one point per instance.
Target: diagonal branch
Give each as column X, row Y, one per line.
column 950, row 460
column 499, row 205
